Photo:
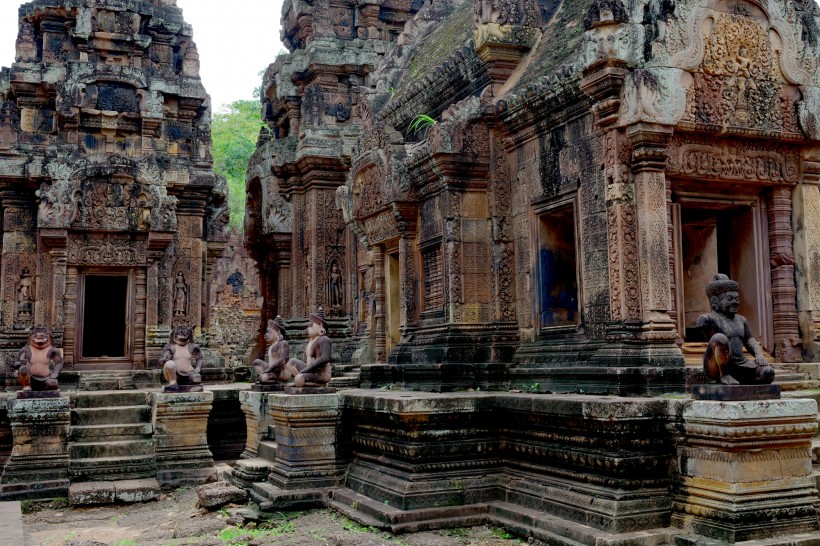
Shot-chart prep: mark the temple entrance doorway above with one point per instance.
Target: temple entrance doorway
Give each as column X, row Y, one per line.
column 720, row 234
column 105, row 320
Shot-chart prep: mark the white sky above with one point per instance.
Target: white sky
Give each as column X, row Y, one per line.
column 236, row 40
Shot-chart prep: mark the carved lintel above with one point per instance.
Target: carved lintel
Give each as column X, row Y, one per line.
column 649, row 146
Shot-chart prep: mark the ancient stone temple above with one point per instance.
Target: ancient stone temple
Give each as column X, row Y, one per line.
column 112, row 214
column 592, row 165
column 314, row 104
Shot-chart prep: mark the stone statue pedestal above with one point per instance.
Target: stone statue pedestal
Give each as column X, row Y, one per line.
column 307, row 461
column 181, row 440
column 38, row 465
column 183, row 388
column 35, row 395
column 309, row 390
column 745, row 469
column 268, row 387
column 729, row 393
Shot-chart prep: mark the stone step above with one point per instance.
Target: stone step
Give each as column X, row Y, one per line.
column 97, row 450
column 109, row 492
column 246, row 472
column 105, row 381
column 120, row 415
column 112, row 433
column 523, row 521
column 266, row 450
column 270, row 497
column 113, row 468
column 798, row 385
column 343, row 382
column 101, row 399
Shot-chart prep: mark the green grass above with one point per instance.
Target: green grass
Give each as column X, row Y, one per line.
column 236, row 536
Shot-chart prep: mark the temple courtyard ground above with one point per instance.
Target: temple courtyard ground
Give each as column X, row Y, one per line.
column 177, row 520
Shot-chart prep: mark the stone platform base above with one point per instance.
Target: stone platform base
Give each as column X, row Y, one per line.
column 268, row 387
column 733, row 393
column 47, row 489
column 33, row 395
column 309, row 390
column 515, row 519
column 126, row 491
column 183, row 388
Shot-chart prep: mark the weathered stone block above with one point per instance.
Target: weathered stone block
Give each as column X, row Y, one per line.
column 306, row 428
column 745, row 469
column 182, row 454
column 215, row 495
column 38, row 464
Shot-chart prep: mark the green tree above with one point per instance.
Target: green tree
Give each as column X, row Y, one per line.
column 234, row 130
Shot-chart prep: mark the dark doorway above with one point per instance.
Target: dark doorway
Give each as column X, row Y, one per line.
column 105, row 308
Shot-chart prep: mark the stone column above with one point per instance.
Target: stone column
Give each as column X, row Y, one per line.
column 306, row 436
column 784, row 292
column 38, row 465
column 745, row 469
column 180, row 423
column 407, row 282
column 255, row 407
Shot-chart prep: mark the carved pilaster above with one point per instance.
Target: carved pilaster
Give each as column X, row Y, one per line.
column 784, row 293
column 648, row 166
column 407, row 281
column 806, row 219
column 379, row 297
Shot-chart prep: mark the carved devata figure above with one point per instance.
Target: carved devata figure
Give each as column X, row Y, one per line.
column 182, row 361
column 316, row 372
column 729, row 333
column 35, row 360
column 276, row 368
column 25, row 298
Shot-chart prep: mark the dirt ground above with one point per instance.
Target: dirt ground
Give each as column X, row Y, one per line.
column 176, row 520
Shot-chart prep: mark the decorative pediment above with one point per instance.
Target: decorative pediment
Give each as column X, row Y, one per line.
column 726, row 65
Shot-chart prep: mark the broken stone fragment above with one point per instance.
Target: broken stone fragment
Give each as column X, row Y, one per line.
column 215, row 495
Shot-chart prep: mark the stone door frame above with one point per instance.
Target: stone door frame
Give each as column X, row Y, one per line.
column 125, row 362
column 682, row 197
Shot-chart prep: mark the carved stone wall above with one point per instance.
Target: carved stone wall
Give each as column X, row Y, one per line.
column 620, row 122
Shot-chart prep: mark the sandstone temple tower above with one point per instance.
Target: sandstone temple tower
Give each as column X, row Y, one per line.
column 591, row 165
column 112, row 214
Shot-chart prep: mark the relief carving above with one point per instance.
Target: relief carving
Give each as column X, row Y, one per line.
column 702, row 158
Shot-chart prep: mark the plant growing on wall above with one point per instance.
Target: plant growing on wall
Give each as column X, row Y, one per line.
column 421, row 123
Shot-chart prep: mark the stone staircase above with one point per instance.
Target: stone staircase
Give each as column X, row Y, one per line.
column 247, row 472
column 111, row 447
column 345, row 376
column 105, row 380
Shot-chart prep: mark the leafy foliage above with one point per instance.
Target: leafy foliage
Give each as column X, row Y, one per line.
column 234, row 131
column 421, row 123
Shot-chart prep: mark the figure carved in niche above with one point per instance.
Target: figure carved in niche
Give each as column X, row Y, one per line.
column 237, row 282
column 180, row 296
column 35, row 360
column 336, row 298
column 277, row 367
column 182, row 360
column 25, row 299
column 316, row 372
column 728, row 334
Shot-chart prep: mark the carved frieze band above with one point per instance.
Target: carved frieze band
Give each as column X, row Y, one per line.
column 699, row 158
